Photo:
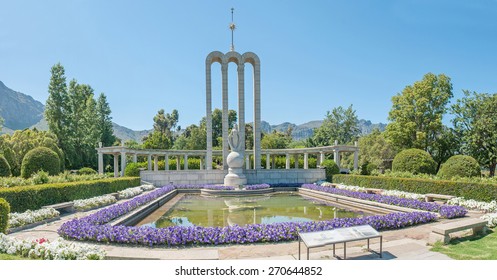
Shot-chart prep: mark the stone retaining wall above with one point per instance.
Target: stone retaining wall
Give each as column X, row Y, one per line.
column 272, row 176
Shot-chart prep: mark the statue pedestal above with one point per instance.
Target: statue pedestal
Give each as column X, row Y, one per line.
column 235, row 177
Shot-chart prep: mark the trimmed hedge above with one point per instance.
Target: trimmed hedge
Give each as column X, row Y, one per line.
column 4, row 167
column 415, row 161
column 476, row 191
column 40, row 158
column 4, row 215
column 459, row 166
column 23, row 198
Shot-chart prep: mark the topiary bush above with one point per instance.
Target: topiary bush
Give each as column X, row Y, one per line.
column 459, row 166
column 4, row 167
column 415, row 161
column 40, row 159
column 86, row 171
column 331, row 169
column 4, row 215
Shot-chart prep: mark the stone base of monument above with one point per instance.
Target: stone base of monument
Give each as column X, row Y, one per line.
column 235, row 178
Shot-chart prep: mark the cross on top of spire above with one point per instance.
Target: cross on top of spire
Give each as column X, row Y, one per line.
column 232, row 27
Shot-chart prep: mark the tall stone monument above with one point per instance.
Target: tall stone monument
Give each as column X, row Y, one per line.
column 239, row 60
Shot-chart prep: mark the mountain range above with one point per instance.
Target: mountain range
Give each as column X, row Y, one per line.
column 22, row 111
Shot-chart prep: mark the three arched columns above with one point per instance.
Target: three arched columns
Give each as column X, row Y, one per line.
column 239, row 60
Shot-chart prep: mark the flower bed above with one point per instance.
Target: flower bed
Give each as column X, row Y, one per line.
column 130, row 192
column 147, row 188
column 474, row 205
column 94, row 202
column 44, row 249
column 491, row 219
column 218, row 188
column 30, row 217
column 257, row 187
column 94, row 227
column 446, row 211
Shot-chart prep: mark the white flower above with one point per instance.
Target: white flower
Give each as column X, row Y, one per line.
column 130, row 192
column 94, row 202
column 29, row 217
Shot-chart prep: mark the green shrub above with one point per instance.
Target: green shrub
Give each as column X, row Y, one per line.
column 415, row 161
column 40, row 158
column 86, row 171
column 468, row 190
column 367, row 168
column 23, row 198
column 4, row 215
column 133, row 168
column 4, row 167
column 331, row 169
column 459, row 166
column 40, row 177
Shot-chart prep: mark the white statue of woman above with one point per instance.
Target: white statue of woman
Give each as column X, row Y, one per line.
column 234, row 139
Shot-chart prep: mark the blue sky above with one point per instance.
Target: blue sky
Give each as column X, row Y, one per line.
column 315, row 55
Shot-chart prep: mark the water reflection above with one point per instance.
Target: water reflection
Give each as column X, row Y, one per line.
column 195, row 210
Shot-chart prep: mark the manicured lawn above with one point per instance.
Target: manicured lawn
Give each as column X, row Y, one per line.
column 11, row 257
column 471, row 248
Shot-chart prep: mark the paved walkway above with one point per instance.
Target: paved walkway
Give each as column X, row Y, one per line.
column 404, row 244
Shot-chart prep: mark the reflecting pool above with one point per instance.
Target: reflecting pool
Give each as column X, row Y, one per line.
column 196, row 210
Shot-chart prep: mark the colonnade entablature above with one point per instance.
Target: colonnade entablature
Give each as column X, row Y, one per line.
column 124, row 154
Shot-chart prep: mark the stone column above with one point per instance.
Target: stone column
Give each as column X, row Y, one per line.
column 201, row 163
column 337, row 160
column 306, row 161
column 241, row 105
column 296, row 159
column 185, row 162
column 156, row 163
column 135, row 158
column 268, row 161
column 123, row 163
column 318, row 163
column 224, row 72
column 166, row 162
column 116, row 165
column 247, row 162
column 208, row 115
column 100, row 163
column 287, row 166
column 321, row 155
column 257, row 115
column 178, row 162
column 149, row 159
column 273, row 159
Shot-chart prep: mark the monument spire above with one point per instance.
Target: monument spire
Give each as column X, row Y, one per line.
column 232, row 27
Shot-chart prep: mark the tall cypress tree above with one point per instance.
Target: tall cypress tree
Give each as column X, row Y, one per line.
column 104, row 121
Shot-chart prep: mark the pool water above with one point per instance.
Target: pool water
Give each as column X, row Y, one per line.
column 196, row 210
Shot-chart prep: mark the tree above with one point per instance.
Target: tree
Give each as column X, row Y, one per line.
column 445, row 146
column 104, row 121
column 162, row 135
column 341, row 124
column 276, row 140
column 56, row 109
column 217, row 125
column 416, row 114
column 475, row 124
column 375, row 150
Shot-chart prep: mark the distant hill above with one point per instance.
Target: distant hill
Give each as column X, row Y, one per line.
column 306, row 130
column 18, row 109
column 125, row 133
